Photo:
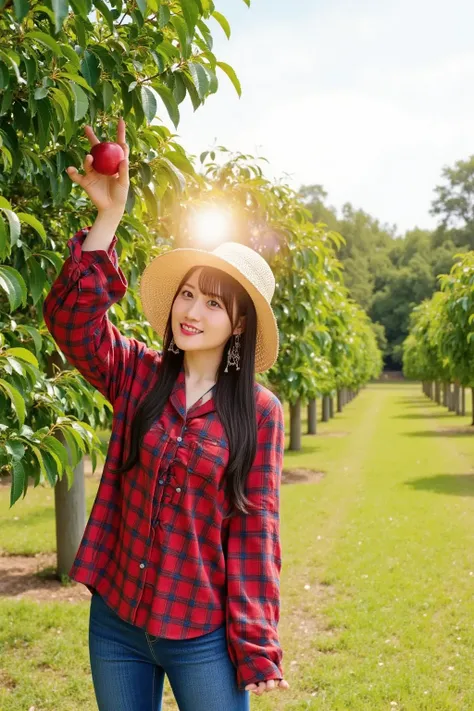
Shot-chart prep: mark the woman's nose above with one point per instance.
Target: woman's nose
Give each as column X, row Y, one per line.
column 194, row 310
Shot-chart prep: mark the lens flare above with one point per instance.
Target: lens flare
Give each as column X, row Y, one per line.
column 211, row 226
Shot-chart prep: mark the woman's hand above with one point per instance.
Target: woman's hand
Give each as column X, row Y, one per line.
column 108, row 192
column 264, row 686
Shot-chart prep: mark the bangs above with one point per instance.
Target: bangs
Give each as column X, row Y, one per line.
column 216, row 283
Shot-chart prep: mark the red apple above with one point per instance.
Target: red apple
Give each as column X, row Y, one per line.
column 107, row 157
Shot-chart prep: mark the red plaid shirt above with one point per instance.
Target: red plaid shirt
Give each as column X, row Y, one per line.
column 156, row 546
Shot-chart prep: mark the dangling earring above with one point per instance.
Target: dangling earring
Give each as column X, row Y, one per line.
column 172, row 346
column 233, row 354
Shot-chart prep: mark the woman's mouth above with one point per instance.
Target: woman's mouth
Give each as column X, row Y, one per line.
column 189, row 330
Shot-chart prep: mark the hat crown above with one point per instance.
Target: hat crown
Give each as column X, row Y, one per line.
column 252, row 265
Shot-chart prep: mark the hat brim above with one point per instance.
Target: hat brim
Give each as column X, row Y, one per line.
column 161, row 278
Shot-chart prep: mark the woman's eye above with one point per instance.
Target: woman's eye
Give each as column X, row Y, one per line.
column 213, row 301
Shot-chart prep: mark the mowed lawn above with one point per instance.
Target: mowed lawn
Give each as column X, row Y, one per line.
column 377, row 579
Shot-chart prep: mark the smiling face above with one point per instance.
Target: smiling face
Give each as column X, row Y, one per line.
column 200, row 305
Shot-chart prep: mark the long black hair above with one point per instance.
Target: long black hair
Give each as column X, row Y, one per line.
column 234, row 393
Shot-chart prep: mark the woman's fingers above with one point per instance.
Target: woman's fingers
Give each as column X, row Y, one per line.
column 121, row 131
column 123, row 173
column 93, row 140
column 74, row 174
column 88, row 163
column 121, row 137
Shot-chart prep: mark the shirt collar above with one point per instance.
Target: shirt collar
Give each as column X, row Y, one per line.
column 178, row 399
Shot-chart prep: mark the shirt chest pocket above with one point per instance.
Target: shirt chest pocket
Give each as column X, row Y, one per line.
column 206, row 465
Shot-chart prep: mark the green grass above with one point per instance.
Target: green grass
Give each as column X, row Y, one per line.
column 384, row 543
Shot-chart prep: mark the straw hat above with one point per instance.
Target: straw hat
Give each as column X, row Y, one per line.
column 161, row 278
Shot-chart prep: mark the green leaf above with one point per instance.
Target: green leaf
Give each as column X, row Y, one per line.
column 57, row 448
column 163, row 16
column 200, row 78
column 16, row 449
column 213, row 83
column 180, row 161
column 183, row 35
column 33, row 222
column 44, row 123
column 77, row 79
column 18, row 482
column 35, row 336
column 46, row 40
column 151, row 201
column 170, row 103
column 190, row 14
column 79, row 28
column 109, row 18
column 223, row 22
column 227, row 69
column 179, row 90
column 4, row 76
column 72, row 55
column 17, row 400
column 23, row 354
column 4, row 242
column 36, row 279
column 14, row 286
column 107, row 94
column 178, row 178
column 15, row 227
column 149, row 103
column 81, row 103
column 60, row 8
column 4, row 203
column 21, row 9
column 16, row 367
column 90, row 68
column 41, row 92
column 141, row 4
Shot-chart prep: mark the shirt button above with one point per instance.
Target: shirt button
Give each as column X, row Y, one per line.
column 142, row 565
column 180, row 439
column 178, row 489
column 161, row 481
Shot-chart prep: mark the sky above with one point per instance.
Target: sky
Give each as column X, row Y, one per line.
column 370, row 99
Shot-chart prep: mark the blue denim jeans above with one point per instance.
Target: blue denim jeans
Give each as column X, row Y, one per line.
column 128, row 667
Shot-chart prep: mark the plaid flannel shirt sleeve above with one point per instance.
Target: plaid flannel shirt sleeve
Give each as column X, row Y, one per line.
column 75, row 313
column 254, row 563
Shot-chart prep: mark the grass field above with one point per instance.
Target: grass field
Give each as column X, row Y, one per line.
column 377, row 579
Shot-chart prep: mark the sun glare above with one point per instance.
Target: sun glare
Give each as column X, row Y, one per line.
column 211, row 226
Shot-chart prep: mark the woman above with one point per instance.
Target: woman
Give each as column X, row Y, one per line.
column 181, row 551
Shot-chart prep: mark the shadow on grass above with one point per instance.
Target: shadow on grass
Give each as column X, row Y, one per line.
column 419, row 416
column 305, row 449
column 454, row 484
column 448, row 432
column 35, row 517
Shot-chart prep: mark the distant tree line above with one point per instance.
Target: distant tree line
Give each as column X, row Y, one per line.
column 389, row 275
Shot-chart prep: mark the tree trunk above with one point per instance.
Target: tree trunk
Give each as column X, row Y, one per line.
column 312, row 416
column 450, row 398
column 70, row 515
column 437, row 392
column 339, row 400
column 295, row 426
column 457, row 398
column 463, row 401
column 445, row 394
column 331, row 406
column 325, row 414
column 472, row 401
column 70, row 506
